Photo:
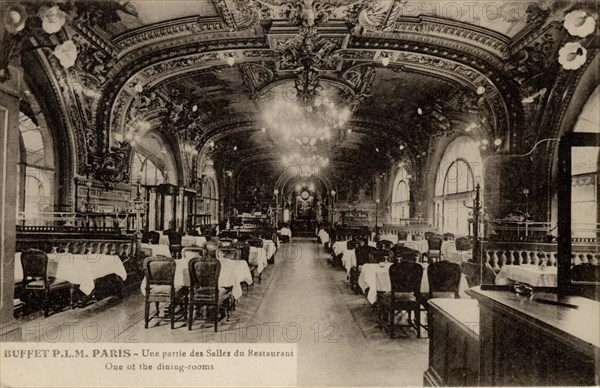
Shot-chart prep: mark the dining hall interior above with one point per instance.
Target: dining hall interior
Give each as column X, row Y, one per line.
column 408, row 190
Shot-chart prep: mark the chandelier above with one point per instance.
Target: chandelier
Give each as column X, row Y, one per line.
column 305, row 166
column 305, row 125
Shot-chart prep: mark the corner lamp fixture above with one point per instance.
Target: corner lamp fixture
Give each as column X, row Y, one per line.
column 531, row 99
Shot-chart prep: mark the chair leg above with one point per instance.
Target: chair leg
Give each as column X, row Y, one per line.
column 46, row 305
column 172, row 313
column 418, row 321
column 391, row 321
column 217, row 317
column 72, row 296
column 146, row 314
column 190, row 312
column 157, row 309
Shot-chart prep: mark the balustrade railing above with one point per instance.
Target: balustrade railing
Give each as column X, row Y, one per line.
column 73, row 221
column 497, row 254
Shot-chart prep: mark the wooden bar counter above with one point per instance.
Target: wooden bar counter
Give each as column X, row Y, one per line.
column 532, row 342
column 453, row 343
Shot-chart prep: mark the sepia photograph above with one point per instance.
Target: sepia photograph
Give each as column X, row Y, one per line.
column 254, row 193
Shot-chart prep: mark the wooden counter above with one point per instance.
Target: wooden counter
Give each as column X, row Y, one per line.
column 453, row 343
column 528, row 343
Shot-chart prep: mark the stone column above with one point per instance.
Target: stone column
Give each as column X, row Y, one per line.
column 9, row 148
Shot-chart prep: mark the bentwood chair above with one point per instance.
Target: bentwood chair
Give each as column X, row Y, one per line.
column 255, row 242
column 363, row 256
column 402, row 235
column 225, row 242
column 381, row 256
column 211, row 247
column 434, row 248
column 463, row 244
column 244, row 249
column 191, row 252
column 444, row 279
column 160, row 287
column 204, row 288
column 448, row 236
column 405, row 278
column 36, row 280
column 384, row 244
column 475, row 274
column 402, row 253
column 228, row 253
column 175, row 243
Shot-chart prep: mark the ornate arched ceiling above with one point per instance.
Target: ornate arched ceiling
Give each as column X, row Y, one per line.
column 201, row 72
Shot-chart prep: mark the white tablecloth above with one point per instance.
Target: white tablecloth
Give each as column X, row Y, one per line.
column 164, row 239
column 420, row 246
column 158, row 249
column 258, row 256
column 324, row 236
column 189, row 241
column 390, row 237
column 233, row 272
column 78, row 269
column 270, row 248
column 529, row 274
column 349, row 259
column 339, row 247
column 286, row 232
column 458, row 257
column 376, row 277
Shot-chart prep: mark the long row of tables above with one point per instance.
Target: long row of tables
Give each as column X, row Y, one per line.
column 233, row 273
column 83, row 269
column 376, row 278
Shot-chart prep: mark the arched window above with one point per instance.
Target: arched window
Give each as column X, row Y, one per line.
column 36, row 169
column 455, row 185
column 401, row 197
column 585, row 215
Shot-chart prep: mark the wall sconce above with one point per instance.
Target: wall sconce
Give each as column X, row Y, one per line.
column 531, row 99
column 579, row 23
column 572, row 56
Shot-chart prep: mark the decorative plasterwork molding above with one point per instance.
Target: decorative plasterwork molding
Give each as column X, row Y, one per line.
column 443, row 32
column 110, row 100
column 470, row 67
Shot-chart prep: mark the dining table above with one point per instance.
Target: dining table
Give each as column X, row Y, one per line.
column 375, row 277
column 78, row 269
column 270, row 248
column 193, row 241
column 389, row 237
column 157, row 249
column 532, row 274
column 233, row 273
column 324, row 236
column 339, row 246
column 258, row 257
